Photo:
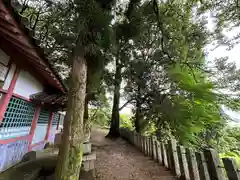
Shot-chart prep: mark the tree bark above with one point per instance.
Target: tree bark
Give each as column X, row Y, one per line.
column 86, row 110
column 114, row 127
column 71, row 150
column 138, row 111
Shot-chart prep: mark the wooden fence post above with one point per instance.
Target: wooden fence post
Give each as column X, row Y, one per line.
column 164, row 155
column 149, row 146
column 132, row 135
column 145, row 146
column 136, row 136
column 192, row 165
column 231, row 168
column 135, row 139
column 183, row 162
column 159, row 152
column 202, row 166
column 215, row 168
column 173, row 157
column 142, row 143
column 138, row 140
column 154, row 148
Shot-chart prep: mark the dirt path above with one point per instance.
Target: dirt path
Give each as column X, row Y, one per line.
column 118, row 160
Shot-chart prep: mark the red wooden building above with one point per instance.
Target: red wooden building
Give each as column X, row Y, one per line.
column 31, row 92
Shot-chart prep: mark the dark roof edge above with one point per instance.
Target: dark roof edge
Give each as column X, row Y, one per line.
column 24, row 24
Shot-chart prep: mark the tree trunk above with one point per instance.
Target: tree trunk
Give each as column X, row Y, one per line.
column 86, row 110
column 138, row 111
column 137, row 121
column 114, row 127
column 71, row 150
column 87, row 123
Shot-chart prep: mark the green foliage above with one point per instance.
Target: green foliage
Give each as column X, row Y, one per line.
column 228, row 140
column 168, row 80
column 158, row 49
column 125, row 121
column 226, row 16
column 100, row 117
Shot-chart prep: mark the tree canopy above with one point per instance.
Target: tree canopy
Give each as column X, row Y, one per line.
column 157, row 52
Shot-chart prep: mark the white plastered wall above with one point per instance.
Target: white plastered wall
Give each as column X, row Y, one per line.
column 27, row 84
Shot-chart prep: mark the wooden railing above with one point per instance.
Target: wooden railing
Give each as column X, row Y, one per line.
column 184, row 162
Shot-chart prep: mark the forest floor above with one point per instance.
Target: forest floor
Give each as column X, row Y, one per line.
column 118, row 160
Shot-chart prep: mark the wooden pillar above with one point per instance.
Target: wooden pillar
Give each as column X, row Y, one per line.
column 145, row 145
column 6, row 98
column 202, row 166
column 192, row 164
column 154, row 144
column 173, row 157
column 215, row 167
column 183, row 163
column 49, row 126
column 164, row 155
column 142, row 143
column 159, row 152
column 33, row 127
column 231, row 168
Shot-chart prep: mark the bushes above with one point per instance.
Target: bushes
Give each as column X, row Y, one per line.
column 100, row 117
column 126, row 122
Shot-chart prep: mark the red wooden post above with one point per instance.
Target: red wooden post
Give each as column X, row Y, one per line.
column 49, row 126
column 33, row 127
column 6, row 98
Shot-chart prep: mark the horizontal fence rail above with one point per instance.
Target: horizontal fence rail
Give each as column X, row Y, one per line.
column 184, row 162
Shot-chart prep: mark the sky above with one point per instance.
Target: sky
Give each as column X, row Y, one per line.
column 234, row 56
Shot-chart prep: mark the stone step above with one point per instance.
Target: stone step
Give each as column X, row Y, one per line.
column 86, row 145
column 87, row 148
column 32, row 155
column 89, row 162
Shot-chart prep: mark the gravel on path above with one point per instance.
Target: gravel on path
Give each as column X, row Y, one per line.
column 118, row 160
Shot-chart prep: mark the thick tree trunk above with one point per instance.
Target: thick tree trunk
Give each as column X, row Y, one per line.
column 137, row 121
column 114, row 127
column 70, row 153
column 86, row 111
column 138, row 111
column 87, row 123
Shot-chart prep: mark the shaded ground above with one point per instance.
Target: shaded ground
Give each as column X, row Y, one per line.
column 118, row 160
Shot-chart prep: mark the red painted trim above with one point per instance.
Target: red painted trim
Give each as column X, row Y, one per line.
column 6, row 141
column 36, row 144
column 33, row 127
column 15, row 95
column 6, row 98
column 21, row 97
column 49, row 126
